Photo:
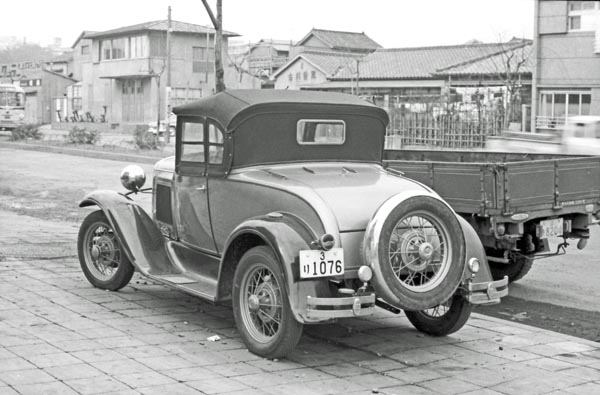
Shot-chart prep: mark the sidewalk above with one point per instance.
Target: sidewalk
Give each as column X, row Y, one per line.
column 59, row 335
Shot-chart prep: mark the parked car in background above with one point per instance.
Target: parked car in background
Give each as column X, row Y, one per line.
column 278, row 202
column 171, row 124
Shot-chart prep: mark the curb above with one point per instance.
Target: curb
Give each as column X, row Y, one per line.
column 124, row 157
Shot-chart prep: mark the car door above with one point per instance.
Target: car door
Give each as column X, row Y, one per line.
column 191, row 187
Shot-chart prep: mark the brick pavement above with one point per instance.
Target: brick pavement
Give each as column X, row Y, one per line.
column 59, row 335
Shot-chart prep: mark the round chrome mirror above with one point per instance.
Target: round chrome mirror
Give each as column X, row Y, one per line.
column 133, row 178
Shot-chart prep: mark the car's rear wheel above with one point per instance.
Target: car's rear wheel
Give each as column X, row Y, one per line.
column 421, row 254
column 261, row 307
column 101, row 257
column 443, row 319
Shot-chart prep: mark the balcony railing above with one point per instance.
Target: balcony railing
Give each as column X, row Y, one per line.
column 546, row 122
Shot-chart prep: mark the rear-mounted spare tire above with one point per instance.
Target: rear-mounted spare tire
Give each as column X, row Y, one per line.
column 417, row 252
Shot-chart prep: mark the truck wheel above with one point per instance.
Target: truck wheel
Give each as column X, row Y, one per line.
column 518, row 267
column 261, row 307
column 443, row 319
column 421, row 254
column 101, row 257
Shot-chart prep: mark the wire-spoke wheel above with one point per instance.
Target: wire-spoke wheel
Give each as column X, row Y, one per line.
column 261, row 307
column 421, row 253
column 102, row 259
column 443, row 319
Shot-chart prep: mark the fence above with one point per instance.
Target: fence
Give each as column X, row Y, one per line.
column 446, row 130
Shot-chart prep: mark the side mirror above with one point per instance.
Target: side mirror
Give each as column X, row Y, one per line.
column 133, row 178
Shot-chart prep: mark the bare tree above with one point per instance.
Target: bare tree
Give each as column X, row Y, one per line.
column 510, row 65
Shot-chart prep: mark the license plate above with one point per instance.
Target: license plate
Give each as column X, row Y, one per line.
column 317, row 263
column 550, row 228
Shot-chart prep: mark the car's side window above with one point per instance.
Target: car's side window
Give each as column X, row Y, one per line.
column 215, row 145
column 192, row 142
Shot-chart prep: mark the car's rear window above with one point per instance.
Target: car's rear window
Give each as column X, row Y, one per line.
column 320, row 132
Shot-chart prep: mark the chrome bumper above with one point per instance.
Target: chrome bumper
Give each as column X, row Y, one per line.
column 487, row 292
column 351, row 306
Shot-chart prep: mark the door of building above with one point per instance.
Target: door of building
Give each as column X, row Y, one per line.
column 133, row 100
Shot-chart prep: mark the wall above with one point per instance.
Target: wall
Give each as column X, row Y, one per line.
column 568, row 60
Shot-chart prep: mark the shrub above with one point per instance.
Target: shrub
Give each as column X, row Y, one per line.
column 79, row 135
column 26, row 131
column 143, row 139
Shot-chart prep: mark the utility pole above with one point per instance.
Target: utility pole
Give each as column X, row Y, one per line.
column 168, row 88
column 218, row 25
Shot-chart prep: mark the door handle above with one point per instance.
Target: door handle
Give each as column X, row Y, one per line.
column 201, row 188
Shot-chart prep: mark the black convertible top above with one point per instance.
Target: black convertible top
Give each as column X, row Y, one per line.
column 232, row 107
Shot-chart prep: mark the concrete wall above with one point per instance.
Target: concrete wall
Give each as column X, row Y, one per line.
column 552, row 17
column 299, row 66
column 568, row 60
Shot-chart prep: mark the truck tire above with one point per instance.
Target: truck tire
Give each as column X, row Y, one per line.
column 443, row 319
column 421, row 254
column 518, row 267
column 261, row 306
column 101, row 257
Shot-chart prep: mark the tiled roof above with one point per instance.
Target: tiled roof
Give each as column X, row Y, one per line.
column 65, row 57
column 343, row 41
column 162, row 25
column 421, row 62
column 330, row 63
column 494, row 64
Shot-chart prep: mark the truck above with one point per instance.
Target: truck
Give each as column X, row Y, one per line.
column 516, row 202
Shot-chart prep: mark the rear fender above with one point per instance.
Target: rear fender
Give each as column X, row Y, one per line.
column 138, row 235
column 286, row 235
column 474, row 249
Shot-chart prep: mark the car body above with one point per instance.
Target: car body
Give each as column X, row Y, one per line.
column 278, row 201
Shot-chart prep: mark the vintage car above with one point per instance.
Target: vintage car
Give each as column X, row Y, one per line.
column 278, row 202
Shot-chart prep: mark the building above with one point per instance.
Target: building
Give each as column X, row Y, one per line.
column 43, row 90
column 566, row 75
column 310, row 68
column 123, row 73
column 320, row 55
column 421, row 75
column 333, row 40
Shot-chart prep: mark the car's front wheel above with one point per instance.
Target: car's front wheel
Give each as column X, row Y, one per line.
column 101, row 256
column 261, row 307
column 443, row 319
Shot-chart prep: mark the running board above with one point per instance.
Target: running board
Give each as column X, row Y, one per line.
column 187, row 283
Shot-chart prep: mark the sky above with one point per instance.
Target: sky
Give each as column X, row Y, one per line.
column 391, row 23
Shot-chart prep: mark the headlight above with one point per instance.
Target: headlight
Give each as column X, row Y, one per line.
column 133, row 178
column 474, row 265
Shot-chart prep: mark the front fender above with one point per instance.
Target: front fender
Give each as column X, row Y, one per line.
column 137, row 233
column 286, row 235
